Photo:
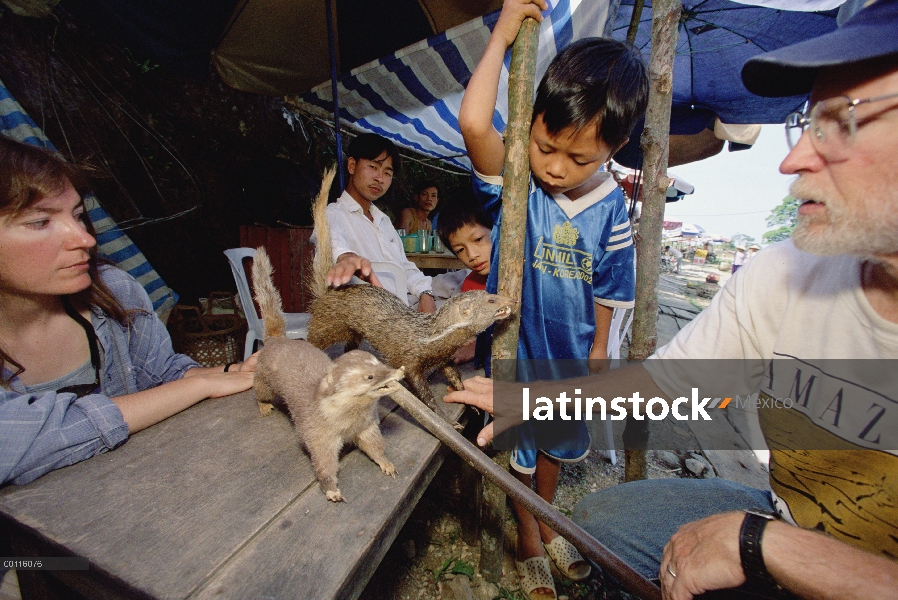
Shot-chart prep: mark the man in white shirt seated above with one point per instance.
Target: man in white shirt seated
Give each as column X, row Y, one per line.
column 361, row 233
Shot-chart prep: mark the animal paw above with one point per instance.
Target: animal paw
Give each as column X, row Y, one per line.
column 334, row 496
column 265, row 409
column 388, row 469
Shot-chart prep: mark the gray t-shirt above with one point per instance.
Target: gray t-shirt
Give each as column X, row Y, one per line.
column 83, row 375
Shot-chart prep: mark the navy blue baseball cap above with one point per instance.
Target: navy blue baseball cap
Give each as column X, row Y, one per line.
column 790, row 71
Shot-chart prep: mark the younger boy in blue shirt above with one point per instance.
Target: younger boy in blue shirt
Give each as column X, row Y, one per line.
column 579, row 254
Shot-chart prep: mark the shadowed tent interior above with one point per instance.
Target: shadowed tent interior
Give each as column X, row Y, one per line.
column 402, row 65
column 272, row 47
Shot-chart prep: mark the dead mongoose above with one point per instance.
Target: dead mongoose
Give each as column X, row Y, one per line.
column 330, row 402
column 419, row 342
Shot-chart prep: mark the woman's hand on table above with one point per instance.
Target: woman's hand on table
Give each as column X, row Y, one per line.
column 247, row 366
column 148, row 407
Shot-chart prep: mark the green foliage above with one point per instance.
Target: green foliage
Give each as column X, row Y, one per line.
column 507, row 595
column 455, row 566
column 778, row 235
column 786, row 216
column 462, row 568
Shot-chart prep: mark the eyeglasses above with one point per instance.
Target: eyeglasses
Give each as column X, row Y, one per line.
column 833, row 125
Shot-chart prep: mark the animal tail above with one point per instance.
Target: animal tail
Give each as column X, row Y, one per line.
column 324, row 259
column 267, row 296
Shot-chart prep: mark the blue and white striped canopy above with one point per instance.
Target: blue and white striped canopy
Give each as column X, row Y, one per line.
column 412, row 96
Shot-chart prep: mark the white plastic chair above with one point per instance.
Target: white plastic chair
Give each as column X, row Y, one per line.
column 297, row 323
column 621, row 321
column 392, row 271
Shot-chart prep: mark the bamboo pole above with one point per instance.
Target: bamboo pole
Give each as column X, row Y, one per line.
column 655, row 148
column 521, row 73
column 634, row 20
column 332, row 53
column 543, row 510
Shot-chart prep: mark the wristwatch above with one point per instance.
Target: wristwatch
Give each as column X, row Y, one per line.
column 750, row 554
column 427, row 293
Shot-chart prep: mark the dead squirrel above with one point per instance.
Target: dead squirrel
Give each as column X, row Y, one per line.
column 404, row 337
column 330, row 402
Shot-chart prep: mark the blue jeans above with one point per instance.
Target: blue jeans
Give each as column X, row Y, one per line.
column 636, row 520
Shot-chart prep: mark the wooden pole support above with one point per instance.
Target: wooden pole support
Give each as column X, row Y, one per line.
column 515, row 187
column 634, row 21
column 541, row 509
column 521, row 73
column 655, row 148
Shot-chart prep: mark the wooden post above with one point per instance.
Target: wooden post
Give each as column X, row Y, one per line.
column 521, row 74
column 515, row 187
column 634, row 20
column 655, row 147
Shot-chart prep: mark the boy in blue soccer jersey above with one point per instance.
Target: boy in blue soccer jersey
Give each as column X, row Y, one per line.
column 579, row 250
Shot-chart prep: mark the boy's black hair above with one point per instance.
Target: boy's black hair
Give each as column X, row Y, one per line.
column 457, row 215
column 370, row 145
column 594, row 79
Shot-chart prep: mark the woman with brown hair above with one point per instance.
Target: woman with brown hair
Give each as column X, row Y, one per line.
column 85, row 361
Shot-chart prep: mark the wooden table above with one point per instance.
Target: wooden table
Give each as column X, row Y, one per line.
column 435, row 261
column 219, row 502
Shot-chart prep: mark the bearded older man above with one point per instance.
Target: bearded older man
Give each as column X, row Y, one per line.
column 829, row 527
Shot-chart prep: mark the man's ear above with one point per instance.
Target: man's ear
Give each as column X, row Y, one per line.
column 350, row 165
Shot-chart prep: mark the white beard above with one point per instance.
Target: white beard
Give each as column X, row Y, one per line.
column 867, row 230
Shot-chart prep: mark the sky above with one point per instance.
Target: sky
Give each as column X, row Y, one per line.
column 735, row 191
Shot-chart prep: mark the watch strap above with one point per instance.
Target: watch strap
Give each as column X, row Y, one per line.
column 750, row 554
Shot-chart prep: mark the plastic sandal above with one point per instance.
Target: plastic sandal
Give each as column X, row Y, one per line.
column 566, row 558
column 536, row 573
